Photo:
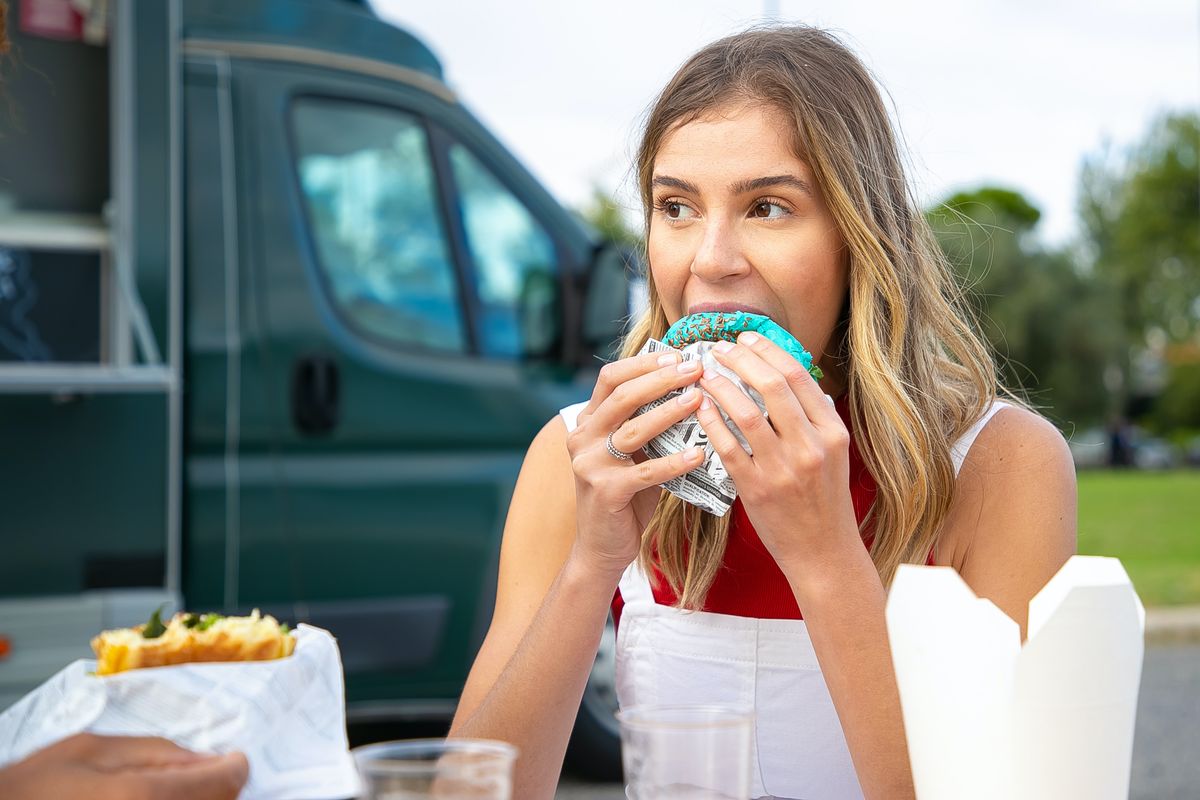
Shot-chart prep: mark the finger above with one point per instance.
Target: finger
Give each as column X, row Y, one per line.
column 112, row 753
column 783, row 406
column 816, row 404
column 631, row 395
column 213, row 778
column 615, row 373
column 742, row 410
column 78, row 745
column 655, row 471
column 735, row 458
column 635, row 432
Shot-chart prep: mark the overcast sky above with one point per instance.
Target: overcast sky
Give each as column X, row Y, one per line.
column 1013, row 93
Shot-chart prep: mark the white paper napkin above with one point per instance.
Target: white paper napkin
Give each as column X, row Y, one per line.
column 986, row 718
column 286, row 715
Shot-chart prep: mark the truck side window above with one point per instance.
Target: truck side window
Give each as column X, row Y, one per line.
column 368, row 183
column 515, row 262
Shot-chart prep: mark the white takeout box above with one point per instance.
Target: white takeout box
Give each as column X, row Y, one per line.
column 286, row 715
column 987, row 718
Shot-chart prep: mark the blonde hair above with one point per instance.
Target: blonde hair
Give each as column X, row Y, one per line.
column 918, row 375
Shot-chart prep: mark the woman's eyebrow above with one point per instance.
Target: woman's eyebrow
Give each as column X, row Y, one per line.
column 757, row 184
column 739, row 187
column 675, row 183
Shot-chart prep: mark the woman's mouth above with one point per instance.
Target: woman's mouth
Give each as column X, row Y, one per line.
column 702, row 308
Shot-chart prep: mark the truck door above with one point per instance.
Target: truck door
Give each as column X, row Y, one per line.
column 231, row 439
column 410, row 297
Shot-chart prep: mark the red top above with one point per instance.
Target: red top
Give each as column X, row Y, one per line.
column 750, row 583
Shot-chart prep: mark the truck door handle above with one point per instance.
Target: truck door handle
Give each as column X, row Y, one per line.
column 315, row 394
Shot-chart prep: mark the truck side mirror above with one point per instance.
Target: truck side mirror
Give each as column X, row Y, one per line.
column 607, row 305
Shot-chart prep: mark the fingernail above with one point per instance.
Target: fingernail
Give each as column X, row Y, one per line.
column 709, row 374
column 706, row 404
column 695, row 454
column 665, row 359
column 748, row 338
column 688, row 366
column 687, row 397
column 723, row 347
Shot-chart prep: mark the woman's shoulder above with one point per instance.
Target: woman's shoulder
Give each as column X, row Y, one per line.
column 1017, row 458
column 547, row 459
column 1012, row 436
column 1012, row 523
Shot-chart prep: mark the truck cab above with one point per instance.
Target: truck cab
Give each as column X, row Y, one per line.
column 324, row 311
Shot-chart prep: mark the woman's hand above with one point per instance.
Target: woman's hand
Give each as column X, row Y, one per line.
column 796, row 486
column 123, row 767
column 615, row 498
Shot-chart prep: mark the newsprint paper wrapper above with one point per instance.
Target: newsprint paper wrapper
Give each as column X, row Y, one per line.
column 287, row 715
column 708, row 486
column 989, row 719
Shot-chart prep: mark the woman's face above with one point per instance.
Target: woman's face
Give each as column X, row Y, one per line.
column 739, row 224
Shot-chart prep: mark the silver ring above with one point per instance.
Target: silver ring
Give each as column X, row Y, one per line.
column 612, row 449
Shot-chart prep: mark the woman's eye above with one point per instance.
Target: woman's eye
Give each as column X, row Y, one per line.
column 765, row 209
column 675, row 210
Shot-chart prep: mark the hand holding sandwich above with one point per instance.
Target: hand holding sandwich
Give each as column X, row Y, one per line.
column 616, row 492
column 123, row 768
column 795, row 486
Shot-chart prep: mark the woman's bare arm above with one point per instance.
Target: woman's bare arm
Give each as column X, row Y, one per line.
column 572, row 529
column 529, row 676
column 1014, row 523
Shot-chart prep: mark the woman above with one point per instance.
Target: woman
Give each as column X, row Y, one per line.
column 772, row 183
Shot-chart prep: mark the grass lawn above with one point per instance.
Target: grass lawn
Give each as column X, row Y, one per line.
column 1149, row 520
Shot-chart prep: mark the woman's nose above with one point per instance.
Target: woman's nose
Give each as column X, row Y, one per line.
column 719, row 255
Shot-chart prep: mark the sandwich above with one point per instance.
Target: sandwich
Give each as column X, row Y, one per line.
column 716, row 326
column 188, row 638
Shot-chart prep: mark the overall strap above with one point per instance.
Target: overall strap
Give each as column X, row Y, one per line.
column 635, row 586
column 959, row 450
column 570, row 415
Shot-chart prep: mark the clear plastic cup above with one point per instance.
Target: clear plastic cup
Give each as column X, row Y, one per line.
column 693, row 752
column 446, row 769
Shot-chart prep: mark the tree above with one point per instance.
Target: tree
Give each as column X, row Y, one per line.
column 1179, row 406
column 610, row 221
column 1041, row 312
column 1141, row 215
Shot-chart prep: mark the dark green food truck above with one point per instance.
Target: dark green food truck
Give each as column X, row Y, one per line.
column 278, row 319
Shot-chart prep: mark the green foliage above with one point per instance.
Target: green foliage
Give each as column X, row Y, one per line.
column 609, row 220
column 1179, row 405
column 1148, row 520
column 1043, row 316
column 1005, row 203
column 1061, row 319
column 1141, row 213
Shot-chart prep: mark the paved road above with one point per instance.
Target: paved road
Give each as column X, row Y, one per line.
column 1166, row 765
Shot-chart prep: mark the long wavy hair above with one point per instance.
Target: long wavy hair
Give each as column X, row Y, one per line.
column 918, row 375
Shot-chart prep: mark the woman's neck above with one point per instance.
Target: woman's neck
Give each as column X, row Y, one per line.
column 836, row 381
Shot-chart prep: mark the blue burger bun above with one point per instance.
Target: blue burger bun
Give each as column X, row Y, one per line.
column 715, row 326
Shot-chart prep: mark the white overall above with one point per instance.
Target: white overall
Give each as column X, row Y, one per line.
column 666, row 655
